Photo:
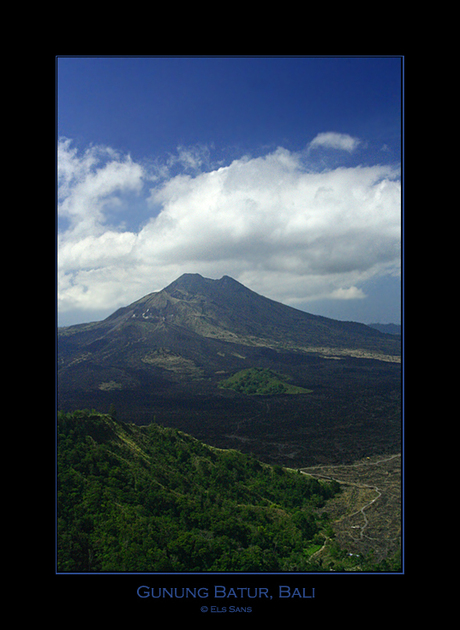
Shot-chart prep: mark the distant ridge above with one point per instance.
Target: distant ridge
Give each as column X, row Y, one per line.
column 389, row 329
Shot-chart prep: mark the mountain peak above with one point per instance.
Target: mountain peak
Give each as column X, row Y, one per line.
column 194, row 282
column 187, row 277
column 189, row 282
column 224, row 309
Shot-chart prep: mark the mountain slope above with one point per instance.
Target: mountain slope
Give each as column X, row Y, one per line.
column 188, row 325
column 154, row 499
column 227, row 310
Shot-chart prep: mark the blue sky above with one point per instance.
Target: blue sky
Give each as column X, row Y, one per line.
column 283, row 173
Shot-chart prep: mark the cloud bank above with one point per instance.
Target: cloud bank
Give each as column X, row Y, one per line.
column 273, row 222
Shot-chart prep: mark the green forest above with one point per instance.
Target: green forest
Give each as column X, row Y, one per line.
column 151, row 498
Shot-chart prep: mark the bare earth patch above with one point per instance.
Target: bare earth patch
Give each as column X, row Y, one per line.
column 366, row 515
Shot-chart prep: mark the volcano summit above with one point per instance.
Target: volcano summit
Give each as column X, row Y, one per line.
column 165, row 356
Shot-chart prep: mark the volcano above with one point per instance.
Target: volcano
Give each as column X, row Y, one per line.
column 167, row 353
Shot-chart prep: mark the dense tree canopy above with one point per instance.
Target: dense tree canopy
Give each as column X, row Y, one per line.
column 155, row 499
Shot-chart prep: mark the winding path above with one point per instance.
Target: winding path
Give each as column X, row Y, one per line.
column 356, row 485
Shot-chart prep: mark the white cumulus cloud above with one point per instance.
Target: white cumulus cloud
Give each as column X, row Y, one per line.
column 333, row 140
column 284, row 230
column 91, row 182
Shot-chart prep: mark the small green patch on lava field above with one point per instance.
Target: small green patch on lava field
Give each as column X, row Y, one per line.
column 261, row 382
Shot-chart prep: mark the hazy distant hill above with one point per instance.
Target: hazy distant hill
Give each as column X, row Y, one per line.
column 390, row 329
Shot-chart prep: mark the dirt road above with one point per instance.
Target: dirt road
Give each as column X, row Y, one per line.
column 366, row 515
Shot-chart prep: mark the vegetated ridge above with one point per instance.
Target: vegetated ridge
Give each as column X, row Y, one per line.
column 154, row 499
